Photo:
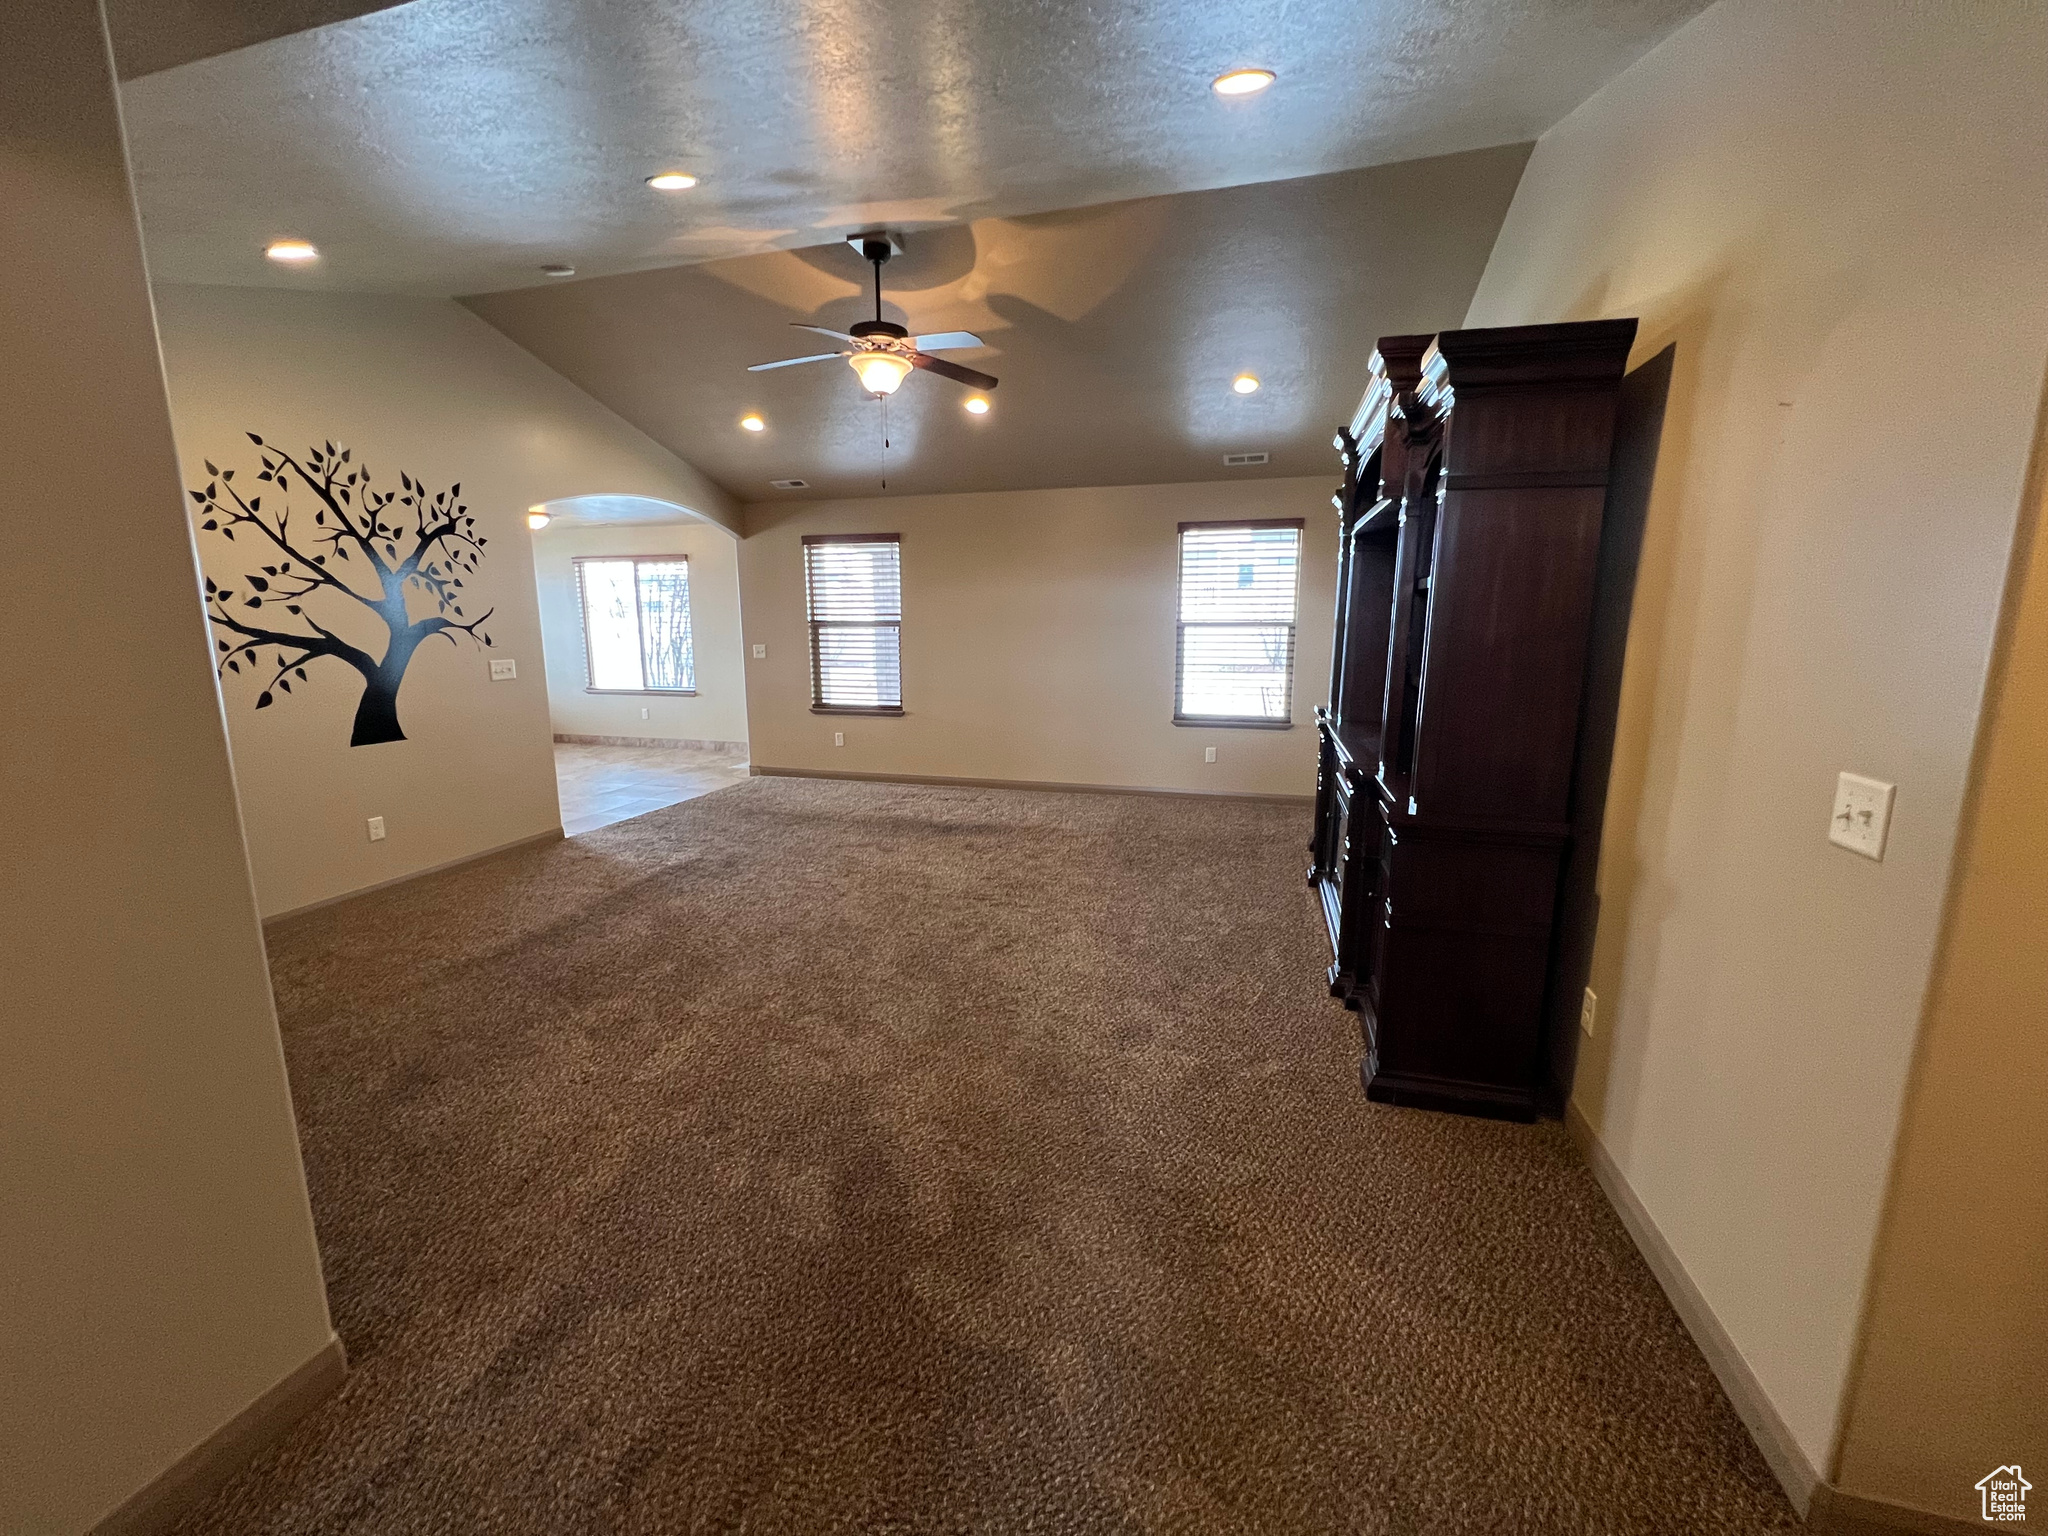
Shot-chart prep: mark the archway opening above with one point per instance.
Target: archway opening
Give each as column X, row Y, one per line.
column 645, row 658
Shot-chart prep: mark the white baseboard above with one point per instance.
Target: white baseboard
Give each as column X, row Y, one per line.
column 1772, row 1435
column 194, row 1477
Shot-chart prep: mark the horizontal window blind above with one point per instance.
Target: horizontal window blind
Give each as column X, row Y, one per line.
column 1238, row 584
column 853, row 584
column 636, row 625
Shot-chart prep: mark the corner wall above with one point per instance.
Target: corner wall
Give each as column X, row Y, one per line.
column 423, row 387
column 1955, row 1340
column 1839, row 217
column 1038, row 638
column 158, row 1274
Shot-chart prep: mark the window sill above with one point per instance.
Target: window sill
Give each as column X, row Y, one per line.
column 647, row 693
column 1231, row 723
column 856, row 709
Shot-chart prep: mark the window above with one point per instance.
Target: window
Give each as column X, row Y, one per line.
column 1235, row 650
column 636, row 625
column 853, row 585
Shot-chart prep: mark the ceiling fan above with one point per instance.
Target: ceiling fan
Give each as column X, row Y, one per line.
column 883, row 352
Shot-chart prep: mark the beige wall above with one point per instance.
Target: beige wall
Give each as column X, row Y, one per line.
column 1954, row 1373
column 718, row 712
column 157, row 1264
column 1038, row 638
column 1838, row 215
column 420, row 386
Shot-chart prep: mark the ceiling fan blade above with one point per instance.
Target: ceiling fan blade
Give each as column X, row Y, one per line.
column 953, row 371
column 791, row 362
column 835, row 335
column 946, row 341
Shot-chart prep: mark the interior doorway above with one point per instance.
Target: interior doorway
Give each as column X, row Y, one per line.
column 645, row 659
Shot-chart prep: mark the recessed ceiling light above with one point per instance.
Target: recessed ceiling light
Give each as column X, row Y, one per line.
column 1245, row 383
column 672, row 181
column 557, row 269
column 1242, row 82
column 974, row 405
column 292, row 251
column 753, row 423
column 537, row 518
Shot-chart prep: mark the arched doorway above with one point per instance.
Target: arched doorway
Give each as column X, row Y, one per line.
column 640, row 622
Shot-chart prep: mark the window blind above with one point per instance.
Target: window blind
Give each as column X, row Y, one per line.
column 636, row 625
column 853, row 584
column 1235, row 651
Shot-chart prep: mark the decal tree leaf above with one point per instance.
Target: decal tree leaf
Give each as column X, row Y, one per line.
column 413, row 545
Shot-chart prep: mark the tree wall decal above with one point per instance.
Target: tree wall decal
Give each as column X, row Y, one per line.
column 413, row 545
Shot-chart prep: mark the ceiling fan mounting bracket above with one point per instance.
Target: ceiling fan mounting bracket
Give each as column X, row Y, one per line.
column 876, row 244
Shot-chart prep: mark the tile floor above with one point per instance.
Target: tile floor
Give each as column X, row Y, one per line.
column 601, row 785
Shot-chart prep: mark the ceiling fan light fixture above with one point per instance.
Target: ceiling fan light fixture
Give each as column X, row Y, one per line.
column 753, row 423
column 1245, row 383
column 880, row 372
column 1242, row 82
column 975, row 405
column 292, row 252
column 537, row 518
column 672, row 181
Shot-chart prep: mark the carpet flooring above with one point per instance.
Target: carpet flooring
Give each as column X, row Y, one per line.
column 820, row 1157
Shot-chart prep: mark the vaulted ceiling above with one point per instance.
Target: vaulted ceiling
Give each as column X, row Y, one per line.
column 1116, row 332
column 1068, row 185
column 150, row 35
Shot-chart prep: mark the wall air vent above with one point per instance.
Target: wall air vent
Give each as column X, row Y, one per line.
column 790, row 485
column 1241, row 460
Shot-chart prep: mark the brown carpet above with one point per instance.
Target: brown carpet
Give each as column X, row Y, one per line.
column 820, row 1157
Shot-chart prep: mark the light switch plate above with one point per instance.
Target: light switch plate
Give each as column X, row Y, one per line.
column 376, row 829
column 1863, row 814
column 504, row 671
column 1208, row 754
column 760, row 653
column 1589, row 1013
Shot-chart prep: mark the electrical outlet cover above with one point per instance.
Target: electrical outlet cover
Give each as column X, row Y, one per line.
column 504, row 671
column 760, row 653
column 1863, row 814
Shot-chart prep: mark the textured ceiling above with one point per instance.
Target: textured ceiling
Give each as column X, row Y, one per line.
column 453, row 146
column 1115, row 330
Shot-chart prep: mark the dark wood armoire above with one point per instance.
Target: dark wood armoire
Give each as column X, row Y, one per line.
column 1475, row 477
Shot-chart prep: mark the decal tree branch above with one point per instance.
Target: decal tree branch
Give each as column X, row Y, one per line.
column 414, row 547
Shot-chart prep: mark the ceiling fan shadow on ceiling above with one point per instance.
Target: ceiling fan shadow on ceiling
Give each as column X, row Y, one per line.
column 882, row 352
